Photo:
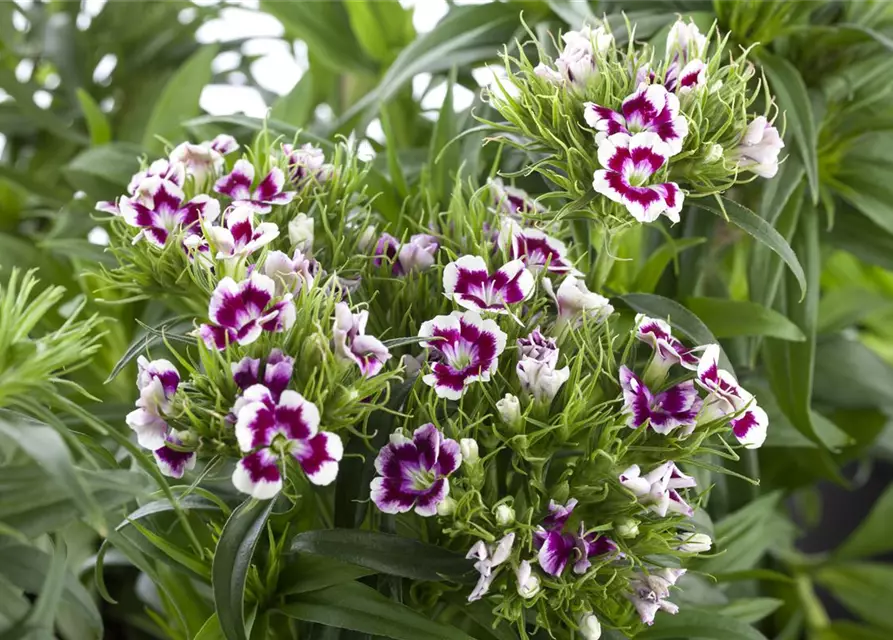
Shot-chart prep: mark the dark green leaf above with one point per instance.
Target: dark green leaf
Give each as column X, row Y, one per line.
column 211, row 630
column 140, row 344
column 303, row 573
column 759, row 229
column 857, row 234
column 863, row 587
column 696, row 623
column 793, row 99
column 731, row 318
column 179, row 99
column 114, row 164
column 653, row 268
column 751, row 610
column 848, row 374
column 232, row 559
column 385, row 553
column 360, row 608
column 842, row 308
column 97, row 123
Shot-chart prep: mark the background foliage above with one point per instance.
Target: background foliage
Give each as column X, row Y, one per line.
column 820, row 364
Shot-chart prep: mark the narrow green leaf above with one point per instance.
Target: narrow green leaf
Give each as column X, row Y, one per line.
column 846, row 630
column 97, row 123
column 751, row 610
column 303, row 573
column 760, row 230
column 360, row 608
column 391, row 148
column 112, row 164
column 653, row 268
column 382, row 27
column 848, row 374
column 385, row 553
column 43, row 613
column 872, row 537
column 732, row 318
column 232, row 559
column 296, row 107
column 179, row 99
column 857, row 234
column 698, row 623
column 842, row 308
column 863, row 587
column 211, row 630
column 140, row 344
column 793, row 99
column 445, row 129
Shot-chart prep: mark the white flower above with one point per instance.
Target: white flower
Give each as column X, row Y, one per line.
column 541, row 379
column 694, row 542
column 469, row 449
column 590, row 627
column 488, row 558
column 574, row 300
column 686, row 40
column 577, row 61
column 759, row 148
column 300, row 233
column 505, row 515
column 509, row 409
column 649, row 593
column 528, row 582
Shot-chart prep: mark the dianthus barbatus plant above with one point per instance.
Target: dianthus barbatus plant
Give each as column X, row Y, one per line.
column 439, row 399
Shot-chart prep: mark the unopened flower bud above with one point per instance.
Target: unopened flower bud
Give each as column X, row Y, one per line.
column 590, row 627
column 469, row 449
column 366, row 238
column 509, row 409
column 528, row 582
column 714, row 153
column 446, row 507
column 187, row 438
column 505, row 515
column 628, row 528
column 540, row 379
column 300, row 233
column 398, row 437
column 694, row 542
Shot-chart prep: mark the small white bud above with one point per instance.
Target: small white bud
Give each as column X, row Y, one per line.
column 366, row 238
column 446, row 507
column 528, row 582
column 590, row 627
column 300, row 233
column 694, row 542
column 398, row 437
column 628, row 528
column 714, row 153
column 505, row 515
column 469, row 449
column 509, row 409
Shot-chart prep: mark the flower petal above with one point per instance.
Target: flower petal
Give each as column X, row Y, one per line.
column 258, row 475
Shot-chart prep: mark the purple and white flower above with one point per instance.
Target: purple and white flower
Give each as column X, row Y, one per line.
column 418, row 254
column 541, row 380
column 535, row 248
column 511, row 201
column 414, row 474
column 487, row 560
column 173, row 461
column 466, row 349
column 725, row 398
column 204, row 159
column 685, row 41
column 691, row 77
column 353, row 345
column 468, row 282
column 136, row 189
column 241, row 237
column 538, row 347
column 658, row 490
column 575, row 301
column 577, row 62
column 240, row 312
column 237, row 185
column 668, row 350
column 557, row 549
column 270, row 429
column 386, row 249
column 157, row 381
column 630, row 164
column 306, row 163
column 161, row 211
column 759, row 148
column 278, row 370
column 300, row 232
column 670, row 409
column 291, row 275
column 528, row 581
column 650, row 592
column 651, row 109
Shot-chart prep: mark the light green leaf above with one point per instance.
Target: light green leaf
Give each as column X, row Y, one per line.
column 760, row 230
column 865, row 184
column 848, row 374
column 385, row 553
column 360, row 608
column 211, row 630
column 751, row 610
column 179, row 99
column 680, row 318
column 653, row 268
column 97, row 123
column 698, row 623
column 296, row 107
column 440, row 165
column 112, row 165
column 382, row 27
column 232, row 559
column 846, row 630
column 864, row 588
column 842, row 308
column 793, row 99
column 46, row 119
column 731, row 318
column 872, row 537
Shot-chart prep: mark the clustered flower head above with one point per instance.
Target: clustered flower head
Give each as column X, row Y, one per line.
column 464, row 359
